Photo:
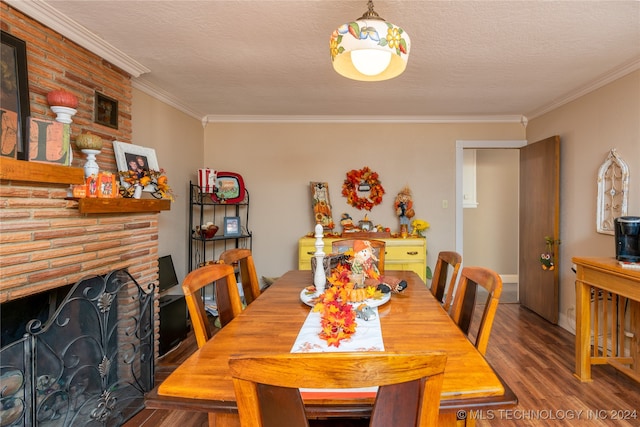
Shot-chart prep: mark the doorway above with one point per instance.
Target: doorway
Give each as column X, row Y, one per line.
column 494, row 218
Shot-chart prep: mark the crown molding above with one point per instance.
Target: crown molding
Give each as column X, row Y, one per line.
column 54, row 19
column 595, row 84
column 164, row 96
column 360, row 119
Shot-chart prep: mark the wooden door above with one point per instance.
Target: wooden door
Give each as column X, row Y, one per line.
column 539, row 218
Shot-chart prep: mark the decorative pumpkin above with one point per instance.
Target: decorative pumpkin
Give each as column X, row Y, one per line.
column 62, row 98
column 89, row 141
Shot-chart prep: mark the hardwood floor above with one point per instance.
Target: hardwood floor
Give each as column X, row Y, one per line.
column 533, row 356
column 537, row 360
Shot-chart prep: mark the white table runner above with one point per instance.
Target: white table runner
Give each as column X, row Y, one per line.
column 368, row 337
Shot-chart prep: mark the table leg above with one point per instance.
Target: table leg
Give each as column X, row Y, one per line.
column 583, row 329
column 223, row 420
column 635, row 332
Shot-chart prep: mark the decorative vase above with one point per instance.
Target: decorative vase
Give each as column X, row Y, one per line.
column 137, row 192
column 91, row 166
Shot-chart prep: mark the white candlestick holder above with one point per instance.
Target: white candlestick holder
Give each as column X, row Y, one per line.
column 91, row 166
column 319, row 277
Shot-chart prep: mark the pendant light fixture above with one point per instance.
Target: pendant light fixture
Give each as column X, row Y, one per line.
column 370, row 48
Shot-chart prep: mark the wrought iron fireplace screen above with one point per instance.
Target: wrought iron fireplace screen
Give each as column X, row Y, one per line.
column 89, row 365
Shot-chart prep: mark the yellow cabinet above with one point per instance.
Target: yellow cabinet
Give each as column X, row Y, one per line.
column 400, row 254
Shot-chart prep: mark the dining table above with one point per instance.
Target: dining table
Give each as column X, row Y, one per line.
column 412, row 320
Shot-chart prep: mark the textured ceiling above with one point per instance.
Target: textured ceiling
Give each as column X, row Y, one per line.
column 484, row 60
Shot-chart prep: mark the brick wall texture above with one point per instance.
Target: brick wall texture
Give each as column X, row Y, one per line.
column 44, row 241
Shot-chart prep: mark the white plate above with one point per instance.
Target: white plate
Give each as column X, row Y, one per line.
column 308, row 298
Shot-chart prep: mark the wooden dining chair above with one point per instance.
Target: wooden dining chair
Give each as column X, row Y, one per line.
column 379, row 248
column 465, row 300
column 243, row 258
column 268, row 395
column 448, row 262
column 227, row 298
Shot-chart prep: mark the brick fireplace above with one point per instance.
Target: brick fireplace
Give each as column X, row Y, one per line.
column 45, row 242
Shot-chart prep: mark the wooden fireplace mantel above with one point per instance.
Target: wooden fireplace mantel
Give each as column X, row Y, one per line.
column 21, row 170
column 24, row 171
column 95, row 206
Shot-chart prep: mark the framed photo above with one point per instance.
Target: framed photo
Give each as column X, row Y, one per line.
column 14, row 97
column 105, row 111
column 130, row 157
column 321, row 205
column 229, row 188
column 232, row 226
column 49, row 142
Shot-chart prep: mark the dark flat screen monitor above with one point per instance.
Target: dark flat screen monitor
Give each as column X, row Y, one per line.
column 166, row 273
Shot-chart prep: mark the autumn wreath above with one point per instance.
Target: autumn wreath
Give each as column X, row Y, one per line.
column 362, row 180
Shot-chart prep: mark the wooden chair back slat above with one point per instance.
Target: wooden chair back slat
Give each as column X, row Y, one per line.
column 464, row 302
column 227, row 297
column 439, row 283
column 409, row 385
column 248, row 276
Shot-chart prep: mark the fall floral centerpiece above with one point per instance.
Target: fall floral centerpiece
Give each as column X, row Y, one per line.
column 338, row 318
column 156, row 179
column 336, row 304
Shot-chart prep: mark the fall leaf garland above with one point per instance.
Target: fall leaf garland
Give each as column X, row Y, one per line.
column 338, row 318
column 356, row 178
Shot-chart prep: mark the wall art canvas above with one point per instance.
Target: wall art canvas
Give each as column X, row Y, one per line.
column 14, row 96
column 106, row 111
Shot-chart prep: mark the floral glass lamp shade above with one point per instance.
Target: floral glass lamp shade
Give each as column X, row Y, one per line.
column 369, row 49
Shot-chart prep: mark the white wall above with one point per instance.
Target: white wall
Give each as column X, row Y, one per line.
column 278, row 160
column 491, row 229
column 178, row 141
column 589, row 128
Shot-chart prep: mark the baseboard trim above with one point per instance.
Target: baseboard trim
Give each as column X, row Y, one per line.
column 509, row 278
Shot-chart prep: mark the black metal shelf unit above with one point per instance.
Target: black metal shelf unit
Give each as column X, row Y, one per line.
column 202, row 209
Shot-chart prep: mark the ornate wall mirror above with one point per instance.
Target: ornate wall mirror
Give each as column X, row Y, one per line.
column 613, row 192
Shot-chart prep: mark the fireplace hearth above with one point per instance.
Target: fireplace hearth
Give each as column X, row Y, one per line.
column 87, row 365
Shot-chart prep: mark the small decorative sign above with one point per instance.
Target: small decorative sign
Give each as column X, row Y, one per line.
column 321, row 205
column 92, row 186
column 49, row 142
column 229, row 188
column 107, row 187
